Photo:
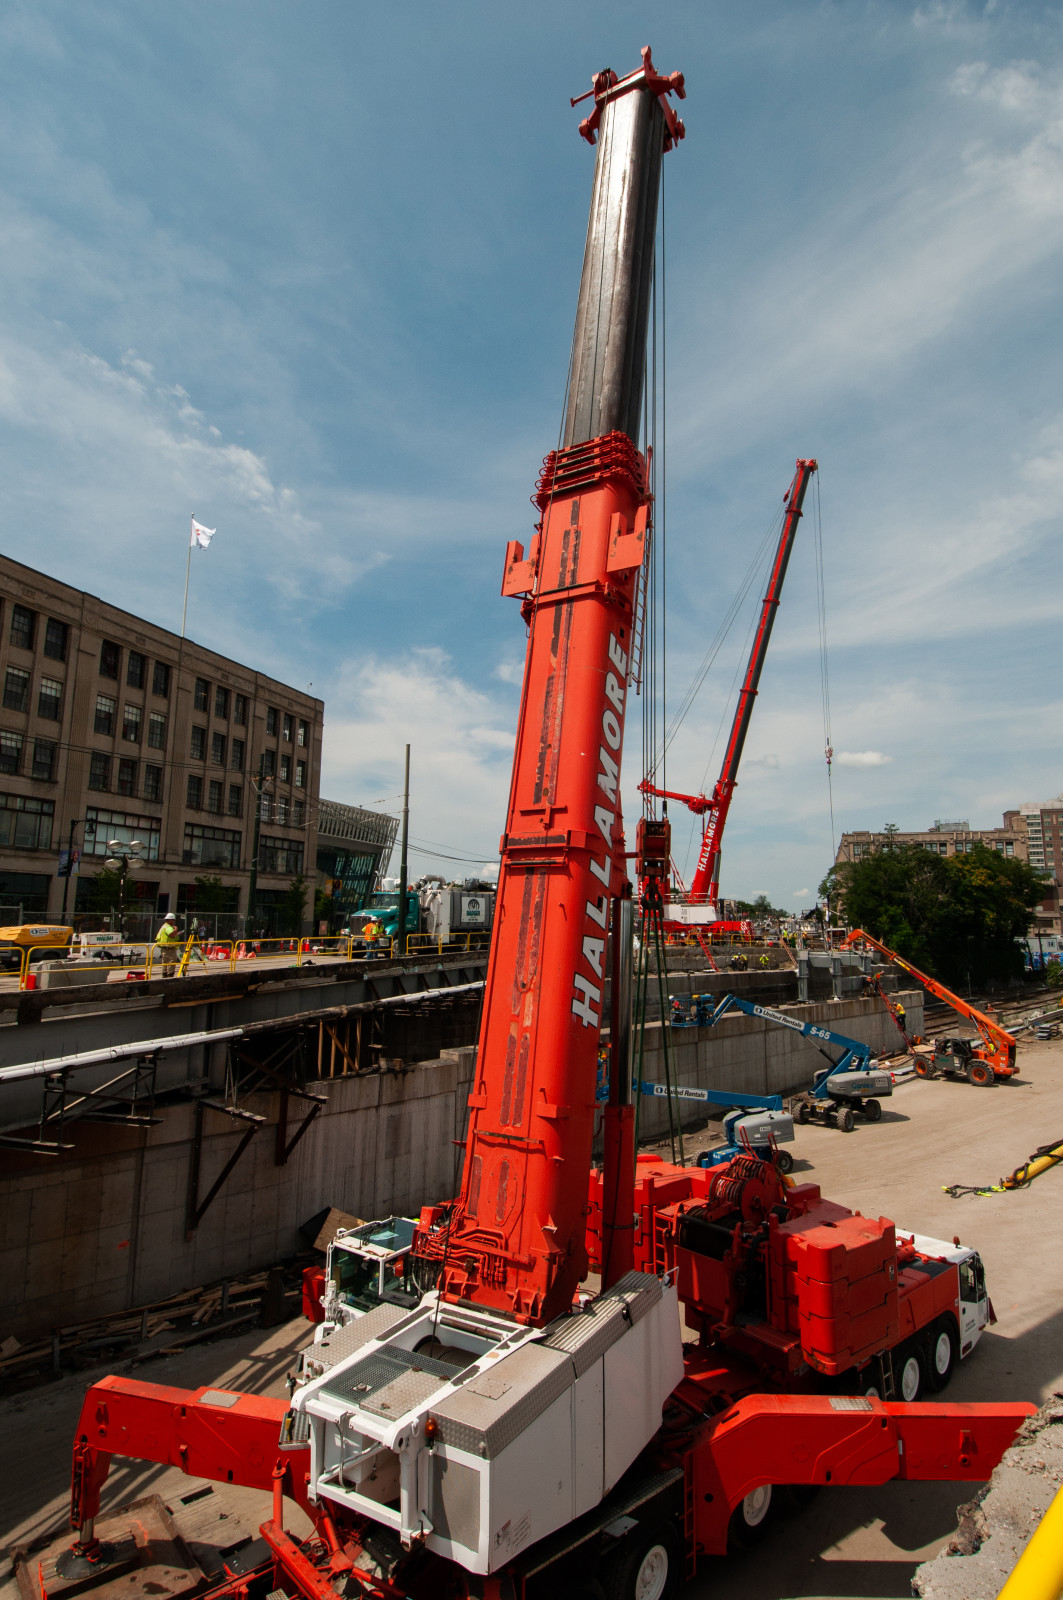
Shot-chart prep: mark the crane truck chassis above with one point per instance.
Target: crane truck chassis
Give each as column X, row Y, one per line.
column 508, row 1436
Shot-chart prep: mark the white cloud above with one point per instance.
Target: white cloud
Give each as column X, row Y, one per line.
column 862, row 758
column 461, row 752
column 800, row 894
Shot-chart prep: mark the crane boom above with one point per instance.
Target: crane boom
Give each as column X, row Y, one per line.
column 705, row 884
column 516, row 1239
column 998, row 1045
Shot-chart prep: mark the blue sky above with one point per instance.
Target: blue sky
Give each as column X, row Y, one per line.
column 310, row 272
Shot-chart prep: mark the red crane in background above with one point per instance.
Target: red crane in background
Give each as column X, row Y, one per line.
column 697, row 908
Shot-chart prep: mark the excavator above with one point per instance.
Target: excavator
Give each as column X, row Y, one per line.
column 524, row 1431
column 988, row 1060
column 696, row 910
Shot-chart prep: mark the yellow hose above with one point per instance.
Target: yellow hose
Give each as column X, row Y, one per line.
column 1038, row 1573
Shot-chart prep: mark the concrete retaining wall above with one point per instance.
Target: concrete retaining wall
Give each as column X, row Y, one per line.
column 103, row 1226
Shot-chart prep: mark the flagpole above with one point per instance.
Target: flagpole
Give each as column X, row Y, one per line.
column 188, row 568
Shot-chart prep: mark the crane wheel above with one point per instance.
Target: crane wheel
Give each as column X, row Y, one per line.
column 648, row 1566
column 750, row 1518
column 873, row 1110
column 941, row 1353
column 922, row 1067
column 910, row 1370
column 980, row 1074
column 846, row 1120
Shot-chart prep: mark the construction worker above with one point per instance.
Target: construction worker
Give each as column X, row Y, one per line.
column 371, row 933
column 166, row 941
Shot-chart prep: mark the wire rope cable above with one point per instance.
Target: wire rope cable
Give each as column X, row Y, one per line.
column 824, row 663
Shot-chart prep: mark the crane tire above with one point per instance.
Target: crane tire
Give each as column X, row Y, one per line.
column 910, row 1373
column 648, row 1566
column 980, row 1073
column 942, row 1346
column 751, row 1518
column 846, row 1120
column 922, row 1067
column 873, row 1110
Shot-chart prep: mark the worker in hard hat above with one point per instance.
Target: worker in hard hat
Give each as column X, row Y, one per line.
column 166, row 941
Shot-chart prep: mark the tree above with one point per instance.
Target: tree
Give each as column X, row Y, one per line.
column 293, row 905
column 106, row 891
column 212, row 896
column 957, row 917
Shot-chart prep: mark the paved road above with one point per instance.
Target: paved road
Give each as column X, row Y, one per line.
column 850, row 1543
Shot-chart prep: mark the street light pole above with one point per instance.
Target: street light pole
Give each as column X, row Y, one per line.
column 258, row 784
column 401, row 929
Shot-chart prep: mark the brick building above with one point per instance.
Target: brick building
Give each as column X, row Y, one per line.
column 1042, row 826
column 113, row 728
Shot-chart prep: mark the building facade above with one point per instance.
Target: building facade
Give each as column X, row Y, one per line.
column 354, row 848
column 1031, row 833
column 114, row 729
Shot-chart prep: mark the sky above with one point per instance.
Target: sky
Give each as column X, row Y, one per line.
column 309, row 273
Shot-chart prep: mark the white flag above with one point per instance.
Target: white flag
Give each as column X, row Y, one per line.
column 201, row 535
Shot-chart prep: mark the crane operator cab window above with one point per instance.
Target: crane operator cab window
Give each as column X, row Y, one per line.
column 974, row 1302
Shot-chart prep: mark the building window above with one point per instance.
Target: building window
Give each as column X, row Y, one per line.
column 122, row 826
column 240, row 708
column 265, row 808
column 110, row 659
column 281, row 855
column 157, row 731
column 210, row 847
column 105, row 709
column 217, row 749
column 201, row 695
column 43, row 760
column 236, row 800
column 136, row 670
column 286, row 769
column 303, row 730
column 17, row 689
column 152, row 783
column 236, row 755
column 300, row 774
column 194, row 794
column 198, row 745
column 271, row 721
column 23, row 626
column 56, row 634
column 49, row 699
column 10, row 752
column 269, row 763
column 214, row 793
column 25, row 822
column 1009, row 848
column 298, row 813
column 131, row 724
column 221, row 702
column 287, row 729
column 99, row 771
column 127, row 776
column 160, row 680
column 282, row 809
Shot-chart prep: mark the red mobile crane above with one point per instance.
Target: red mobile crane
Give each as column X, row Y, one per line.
column 697, row 909
column 983, row 1063
column 506, row 1437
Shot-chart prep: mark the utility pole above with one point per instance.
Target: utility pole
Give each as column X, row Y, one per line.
column 69, row 869
column 400, row 931
column 258, row 785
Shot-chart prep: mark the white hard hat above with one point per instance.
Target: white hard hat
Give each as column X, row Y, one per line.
column 169, row 917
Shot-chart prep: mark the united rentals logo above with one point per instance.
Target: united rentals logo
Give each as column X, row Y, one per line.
column 587, row 999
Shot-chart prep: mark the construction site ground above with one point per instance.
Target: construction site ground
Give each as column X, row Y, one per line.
column 848, row 1542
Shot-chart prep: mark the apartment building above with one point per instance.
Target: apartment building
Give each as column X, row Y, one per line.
column 1041, row 823
column 114, row 729
column 943, row 838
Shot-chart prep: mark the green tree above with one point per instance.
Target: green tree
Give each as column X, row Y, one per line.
column 106, row 889
column 957, row 917
column 293, row 906
column 212, row 896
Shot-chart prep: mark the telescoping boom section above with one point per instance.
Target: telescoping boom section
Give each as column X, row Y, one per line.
column 516, row 1240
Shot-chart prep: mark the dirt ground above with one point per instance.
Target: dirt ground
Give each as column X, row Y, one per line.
column 850, row 1542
